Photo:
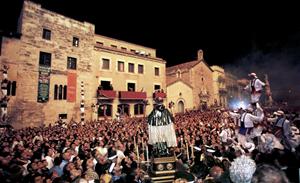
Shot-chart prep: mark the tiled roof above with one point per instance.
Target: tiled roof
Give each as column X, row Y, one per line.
column 179, row 80
column 186, row 65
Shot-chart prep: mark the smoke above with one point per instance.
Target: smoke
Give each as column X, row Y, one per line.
column 282, row 66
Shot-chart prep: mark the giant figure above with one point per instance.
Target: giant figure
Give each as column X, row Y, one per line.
column 161, row 129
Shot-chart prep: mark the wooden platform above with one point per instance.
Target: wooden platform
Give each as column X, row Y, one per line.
column 163, row 169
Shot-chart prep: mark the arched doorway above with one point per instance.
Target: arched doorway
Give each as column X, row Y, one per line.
column 180, row 106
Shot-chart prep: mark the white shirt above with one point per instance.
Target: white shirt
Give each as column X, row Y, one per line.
column 17, row 143
column 102, row 150
column 257, row 85
column 77, row 149
column 249, row 119
column 49, row 161
column 120, row 155
column 37, row 137
column 223, row 135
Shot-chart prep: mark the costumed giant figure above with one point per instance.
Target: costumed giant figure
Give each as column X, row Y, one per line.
column 161, row 129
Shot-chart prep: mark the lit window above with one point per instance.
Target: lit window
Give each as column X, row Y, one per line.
column 76, row 41
column 120, row 66
column 71, row 63
column 45, row 59
column 130, row 86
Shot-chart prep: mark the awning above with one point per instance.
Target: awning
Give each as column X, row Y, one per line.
column 130, row 95
column 159, row 94
column 107, row 94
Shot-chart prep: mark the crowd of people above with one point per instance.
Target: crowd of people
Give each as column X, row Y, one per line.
column 212, row 145
column 4, row 98
column 116, row 151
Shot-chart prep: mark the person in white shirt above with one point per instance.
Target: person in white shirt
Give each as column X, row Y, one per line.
column 17, row 141
column 50, row 158
column 246, row 123
column 255, row 87
column 38, row 137
column 282, row 130
column 101, row 149
column 258, row 127
column 224, row 135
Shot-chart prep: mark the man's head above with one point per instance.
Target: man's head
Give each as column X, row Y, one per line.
column 267, row 173
column 242, row 169
column 216, row 172
column 252, row 75
column 279, row 113
column 67, row 155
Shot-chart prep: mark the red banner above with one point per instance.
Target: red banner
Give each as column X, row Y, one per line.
column 71, row 92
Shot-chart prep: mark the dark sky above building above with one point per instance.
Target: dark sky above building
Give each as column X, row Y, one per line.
column 264, row 36
column 225, row 32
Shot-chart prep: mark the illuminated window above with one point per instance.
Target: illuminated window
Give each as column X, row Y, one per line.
column 76, row 41
column 121, row 66
column 71, row 63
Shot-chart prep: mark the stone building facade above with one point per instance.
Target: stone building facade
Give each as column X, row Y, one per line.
column 219, row 86
column 55, row 56
column 180, row 96
column 198, row 75
column 134, row 72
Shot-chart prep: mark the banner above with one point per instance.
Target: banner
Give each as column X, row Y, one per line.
column 71, row 92
column 43, row 84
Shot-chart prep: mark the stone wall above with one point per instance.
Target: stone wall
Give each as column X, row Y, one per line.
column 202, row 82
column 23, row 57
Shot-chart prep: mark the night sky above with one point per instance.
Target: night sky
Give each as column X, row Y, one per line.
column 231, row 35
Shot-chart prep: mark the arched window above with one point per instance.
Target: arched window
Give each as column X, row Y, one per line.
column 65, row 92
column 55, row 92
column 60, row 92
column 178, row 74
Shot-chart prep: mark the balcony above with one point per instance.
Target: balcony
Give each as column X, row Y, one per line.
column 159, row 94
column 106, row 94
column 131, row 95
